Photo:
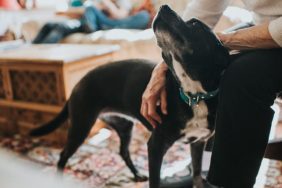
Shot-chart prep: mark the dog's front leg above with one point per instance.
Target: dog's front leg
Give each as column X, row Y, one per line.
column 157, row 147
column 197, row 150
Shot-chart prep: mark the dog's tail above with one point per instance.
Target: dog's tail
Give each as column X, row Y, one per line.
column 53, row 124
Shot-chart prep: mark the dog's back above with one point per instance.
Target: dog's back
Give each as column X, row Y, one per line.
column 116, row 86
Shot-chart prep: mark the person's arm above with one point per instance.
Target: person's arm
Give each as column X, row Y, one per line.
column 73, row 13
column 262, row 36
column 205, row 10
column 155, row 94
column 114, row 11
column 209, row 12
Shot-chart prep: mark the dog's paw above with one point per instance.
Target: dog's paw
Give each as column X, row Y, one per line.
column 140, row 178
column 198, row 182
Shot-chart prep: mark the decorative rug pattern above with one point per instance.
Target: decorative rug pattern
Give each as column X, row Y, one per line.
column 100, row 165
column 274, row 174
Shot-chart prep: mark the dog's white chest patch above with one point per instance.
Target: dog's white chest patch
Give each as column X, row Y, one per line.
column 200, row 116
column 197, row 127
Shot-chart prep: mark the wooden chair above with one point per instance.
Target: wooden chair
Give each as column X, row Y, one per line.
column 274, row 150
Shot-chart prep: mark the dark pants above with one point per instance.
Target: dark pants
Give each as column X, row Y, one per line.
column 248, row 89
column 95, row 20
column 54, row 32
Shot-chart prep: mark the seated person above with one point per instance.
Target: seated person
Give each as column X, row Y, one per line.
column 101, row 14
column 54, row 32
column 11, row 4
column 108, row 14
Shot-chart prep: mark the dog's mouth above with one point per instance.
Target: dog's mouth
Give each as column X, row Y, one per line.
column 166, row 16
column 163, row 12
column 171, row 31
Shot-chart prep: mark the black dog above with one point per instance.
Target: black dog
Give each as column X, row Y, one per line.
column 196, row 60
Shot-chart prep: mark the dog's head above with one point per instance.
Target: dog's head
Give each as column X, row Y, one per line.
column 192, row 51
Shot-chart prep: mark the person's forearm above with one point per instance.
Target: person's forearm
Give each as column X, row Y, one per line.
column 256, row 37
column 207, row 11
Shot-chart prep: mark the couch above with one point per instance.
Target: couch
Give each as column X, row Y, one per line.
column 134, row 43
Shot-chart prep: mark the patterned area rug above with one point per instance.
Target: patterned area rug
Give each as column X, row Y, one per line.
column 274, row 174
column 98, row 164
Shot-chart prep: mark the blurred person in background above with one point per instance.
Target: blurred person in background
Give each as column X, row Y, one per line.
column 17, row 4
column 10, row 4
column 99, row 14
column 108, row 14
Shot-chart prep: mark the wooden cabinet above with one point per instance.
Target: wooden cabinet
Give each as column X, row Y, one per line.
column 36, row 80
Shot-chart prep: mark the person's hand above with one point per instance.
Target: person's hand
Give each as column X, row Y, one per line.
column 99, row 5
column 224, row 38
column 154, row 95
column 221, row 36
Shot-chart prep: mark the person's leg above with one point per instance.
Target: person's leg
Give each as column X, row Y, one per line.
column 244, row 116
column 138, row 21
column 55, row 35
column 89, row 19
column 95, row 20
column 61, row 30
column 44, row 31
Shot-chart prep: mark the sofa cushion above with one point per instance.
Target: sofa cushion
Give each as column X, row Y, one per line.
column 112, row 35
column 134, row 43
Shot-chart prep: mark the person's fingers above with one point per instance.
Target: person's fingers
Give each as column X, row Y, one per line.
column 164, row 101
column 152, row 95
column 152, row 105
column 146, row 116
column 152, row 122
column 142, row 107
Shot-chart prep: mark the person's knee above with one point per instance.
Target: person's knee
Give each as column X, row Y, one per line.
column 143, row 18
column 144, row 14
column 234, row 76
column 89, row 19
column 241, row 78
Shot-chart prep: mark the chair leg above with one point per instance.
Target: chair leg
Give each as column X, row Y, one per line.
column 274, row 150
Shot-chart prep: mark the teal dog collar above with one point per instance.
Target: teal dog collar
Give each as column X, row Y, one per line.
column 194, row 99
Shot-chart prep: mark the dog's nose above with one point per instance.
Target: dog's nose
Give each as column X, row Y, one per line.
column 164, row 8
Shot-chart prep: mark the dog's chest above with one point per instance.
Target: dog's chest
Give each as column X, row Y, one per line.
column 196, row 128
column 200, row 114
column 200, row 111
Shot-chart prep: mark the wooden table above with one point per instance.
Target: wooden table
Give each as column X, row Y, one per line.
column 36, row 80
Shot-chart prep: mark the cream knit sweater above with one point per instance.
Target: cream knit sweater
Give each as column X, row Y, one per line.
column 210, row 11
